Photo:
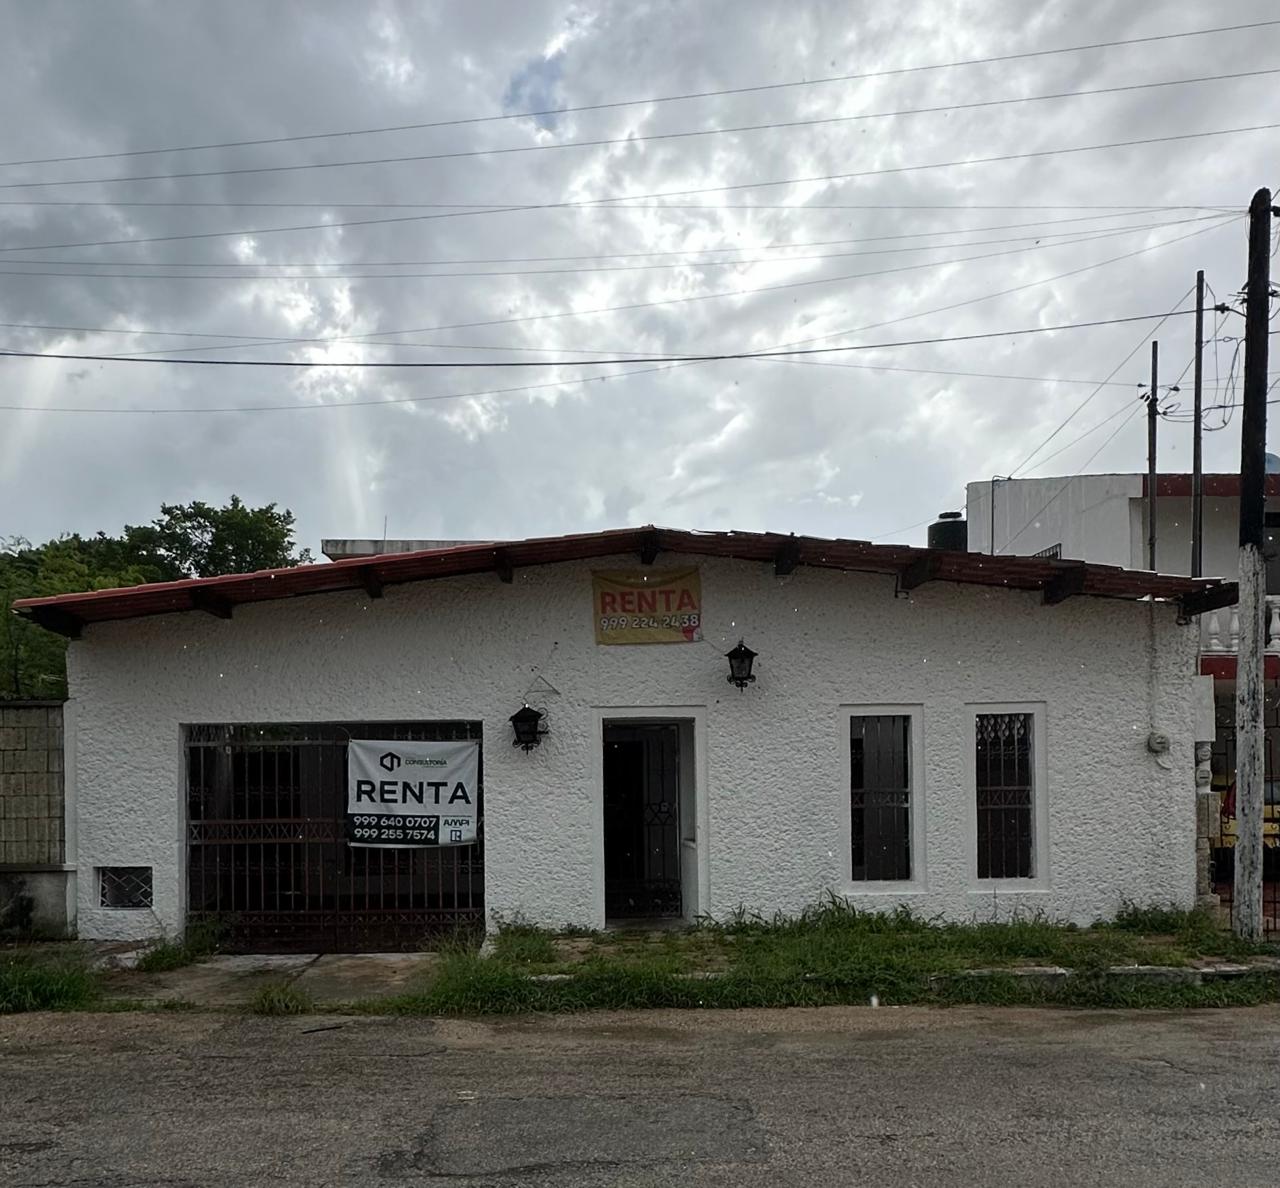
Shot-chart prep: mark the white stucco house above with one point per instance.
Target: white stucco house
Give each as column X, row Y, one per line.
column 962, row 734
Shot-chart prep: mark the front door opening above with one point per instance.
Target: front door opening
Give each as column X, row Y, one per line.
column 642, row 820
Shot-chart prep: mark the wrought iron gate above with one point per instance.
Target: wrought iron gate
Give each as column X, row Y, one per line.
column 268, row 863
column 642, row 821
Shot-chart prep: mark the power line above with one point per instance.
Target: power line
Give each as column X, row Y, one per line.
column 306, row 166
column 1075, row 441
column 992, row 375
column 745, row 292
column 583, row 202
column 707, row 358
column 948, row 308
column 1065, row 237
column 1045, row 280
column 690, row 95
column 1080, row 407
column 1224, row 207
column 1052, row 498
column 763, row 247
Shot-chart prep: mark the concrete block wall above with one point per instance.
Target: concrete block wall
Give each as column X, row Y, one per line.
column 31, row 784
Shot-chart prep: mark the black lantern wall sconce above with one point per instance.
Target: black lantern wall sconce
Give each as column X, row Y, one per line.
column 740, row 660
column 527, row 723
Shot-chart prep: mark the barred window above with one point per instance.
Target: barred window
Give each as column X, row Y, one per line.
column 1005, row 786
column 880, row 797
column 124, row 886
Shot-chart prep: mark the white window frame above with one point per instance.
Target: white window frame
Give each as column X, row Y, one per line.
column 915, row 801
column 1040, row 861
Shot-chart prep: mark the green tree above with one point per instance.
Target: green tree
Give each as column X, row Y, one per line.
column 186, row 540
column 198, row 540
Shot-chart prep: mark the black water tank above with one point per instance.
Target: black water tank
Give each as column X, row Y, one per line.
column 950, row 532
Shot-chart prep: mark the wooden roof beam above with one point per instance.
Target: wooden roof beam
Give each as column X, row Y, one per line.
column 917, row 572
column 56, row 619
column 211, row 602
column 649, row 548
column 1209, row 599
column 1066, row 583
column 786, row 557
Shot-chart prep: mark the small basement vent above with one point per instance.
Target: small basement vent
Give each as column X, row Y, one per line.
column 124, row 886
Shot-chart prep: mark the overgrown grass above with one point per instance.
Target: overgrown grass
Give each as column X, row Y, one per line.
column 281, row 998
column 833, row 954
column 520, row 943
column 476, row 986
column 466, row 937
column 28, row 983
column 198, row 942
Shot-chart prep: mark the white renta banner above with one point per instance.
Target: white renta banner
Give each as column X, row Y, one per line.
column 406, row 794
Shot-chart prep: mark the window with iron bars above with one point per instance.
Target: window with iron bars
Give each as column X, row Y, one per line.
column 880, row 773
column 1005, row 788
column 124, row 886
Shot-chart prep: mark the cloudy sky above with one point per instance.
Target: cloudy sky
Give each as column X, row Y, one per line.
column 857, row 443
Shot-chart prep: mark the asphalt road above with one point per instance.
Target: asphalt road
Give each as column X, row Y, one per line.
column 881, row 1097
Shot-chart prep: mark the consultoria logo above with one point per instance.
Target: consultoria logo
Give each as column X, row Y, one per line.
column 390, row 761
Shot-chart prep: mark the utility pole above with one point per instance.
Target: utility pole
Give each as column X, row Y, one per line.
column 1153, row 408
column 1246, row 907
column 1197, row 464
column 995, row 478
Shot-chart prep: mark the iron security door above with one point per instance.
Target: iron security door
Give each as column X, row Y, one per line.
column 642, row 821
column 269, row 868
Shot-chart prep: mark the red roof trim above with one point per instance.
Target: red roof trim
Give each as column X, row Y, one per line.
column 1222, row 667
column 220, row 595
column 1215, row 486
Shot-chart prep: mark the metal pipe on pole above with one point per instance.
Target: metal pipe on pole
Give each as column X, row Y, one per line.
column 1197, row 461
column 1153, row 408
column 1246, row 906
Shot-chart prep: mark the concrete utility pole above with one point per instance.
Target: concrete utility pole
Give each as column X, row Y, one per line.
column 1153, row 408
column 1197, row 464
column 1246, row 907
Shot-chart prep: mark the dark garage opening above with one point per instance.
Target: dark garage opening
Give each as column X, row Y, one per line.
column 269, row 868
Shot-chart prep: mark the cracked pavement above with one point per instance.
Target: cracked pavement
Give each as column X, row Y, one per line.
column 836, row 1096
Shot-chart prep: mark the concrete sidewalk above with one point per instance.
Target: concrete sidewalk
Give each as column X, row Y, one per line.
column 228, row 980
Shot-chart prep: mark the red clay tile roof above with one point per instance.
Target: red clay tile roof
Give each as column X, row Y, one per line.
column 67, row 613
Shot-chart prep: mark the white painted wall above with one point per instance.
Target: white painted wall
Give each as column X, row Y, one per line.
column 1088, row 515
column 1103, row 518
column 773, row 834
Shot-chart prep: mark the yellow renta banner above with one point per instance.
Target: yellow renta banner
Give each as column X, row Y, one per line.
column 647, row 606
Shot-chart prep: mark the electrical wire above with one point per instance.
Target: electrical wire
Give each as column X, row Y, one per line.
column 1125, row 407
column 418, row 158
column 1063, row 238
column 447, row 262
column 690, row 95
column 509, row 363
column 1111, row 375
column 413, row 400
column 1058, row 493
column 1223, row 207
column 622, row 198
column 744, row 292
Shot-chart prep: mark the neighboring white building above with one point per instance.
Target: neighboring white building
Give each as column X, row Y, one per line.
column 1102, row 519
column 966, row 736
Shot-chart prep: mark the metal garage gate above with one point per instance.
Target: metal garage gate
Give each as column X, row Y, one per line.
column 269, row 868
